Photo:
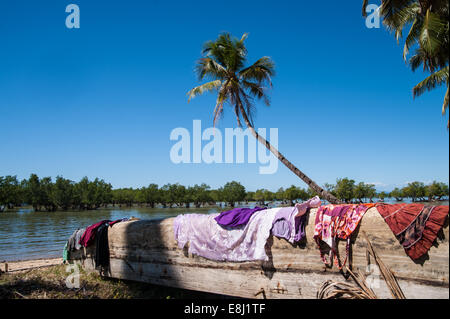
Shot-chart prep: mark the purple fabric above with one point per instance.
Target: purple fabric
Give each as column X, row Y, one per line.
column 290, row 222
column 236, row 217
column 300, row 224
column 282, row 227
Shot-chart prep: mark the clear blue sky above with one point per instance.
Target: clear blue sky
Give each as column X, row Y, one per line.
column 101, row 101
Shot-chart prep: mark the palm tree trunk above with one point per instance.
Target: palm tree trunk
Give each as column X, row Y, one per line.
column 319, row 190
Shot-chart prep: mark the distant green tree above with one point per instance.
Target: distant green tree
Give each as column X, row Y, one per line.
column 436, row 190
column 259, row 196
column 364, row 191
column 10, row 192
column 123, row 196
column 151, row 195
column 33, row 192
column 382, row 195
column 345, row 189
column 415, row 190
column 62, row 194
column 268, row 196
column 200, row 194
column 249, row 197
column 371, row 192
column 216, row 195
column 164, row 195
column 233, row 192
column 397, row 193
column 293, row 193
column 279, row 195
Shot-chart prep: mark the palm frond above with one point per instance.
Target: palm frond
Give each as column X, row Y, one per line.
column 432, row 31
column 260, row 71
column 364, row 5
column 207, row 67
column 207, row 87
column 445, row 105
column 257, row 91
column 412, row 37
column 437, row 78
column 398, row 17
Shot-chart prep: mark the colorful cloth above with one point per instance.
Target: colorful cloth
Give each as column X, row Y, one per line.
column 89, row 235
column 236, row 217
column 290, row 222
column 208, row 239
column 415, row 225
column 337, row 222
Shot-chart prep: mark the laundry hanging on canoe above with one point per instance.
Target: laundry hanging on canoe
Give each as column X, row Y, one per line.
column 94, row 234
column 415, row 226
column 88, row 236
column 236, row 217
column 335, row 222
column 208, row 239
column 74, row 240
column 290, row 222
column 241, row 234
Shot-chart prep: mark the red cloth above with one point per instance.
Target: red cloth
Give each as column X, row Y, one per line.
column 400, row 216
column 89, row 234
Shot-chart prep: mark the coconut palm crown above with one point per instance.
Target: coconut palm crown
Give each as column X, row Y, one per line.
column 224, row 66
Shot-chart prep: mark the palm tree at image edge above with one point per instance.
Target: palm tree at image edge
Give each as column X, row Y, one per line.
column 223, row 63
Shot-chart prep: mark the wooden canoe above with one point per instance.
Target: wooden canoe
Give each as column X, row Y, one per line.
column 146, row 251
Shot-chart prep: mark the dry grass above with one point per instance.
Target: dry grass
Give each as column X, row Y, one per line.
column 50, row 283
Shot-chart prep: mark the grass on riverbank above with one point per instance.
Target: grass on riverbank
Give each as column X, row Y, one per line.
column 50, row 283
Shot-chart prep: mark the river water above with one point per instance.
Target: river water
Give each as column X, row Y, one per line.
column 25, row 234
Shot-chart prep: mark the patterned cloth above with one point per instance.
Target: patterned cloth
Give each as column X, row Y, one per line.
column 337, row 222
column 208, row 239
column 415, row 225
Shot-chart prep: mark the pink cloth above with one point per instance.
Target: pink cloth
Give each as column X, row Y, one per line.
column 208, row 239
column 310, row 203
column 337, row 222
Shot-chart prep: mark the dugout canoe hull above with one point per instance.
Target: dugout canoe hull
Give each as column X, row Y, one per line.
column 146, row 251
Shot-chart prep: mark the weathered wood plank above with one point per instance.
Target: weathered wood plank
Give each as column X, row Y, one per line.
column 146, row 251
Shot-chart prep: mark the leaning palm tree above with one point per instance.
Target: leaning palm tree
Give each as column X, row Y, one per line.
column 223, row 63
column 428, row 23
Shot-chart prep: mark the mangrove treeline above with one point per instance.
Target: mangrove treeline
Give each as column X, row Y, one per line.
column 44, row 194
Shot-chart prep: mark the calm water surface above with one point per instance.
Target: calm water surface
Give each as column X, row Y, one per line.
column 25, row 234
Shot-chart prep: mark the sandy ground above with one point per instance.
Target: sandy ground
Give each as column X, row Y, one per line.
column 29, row 264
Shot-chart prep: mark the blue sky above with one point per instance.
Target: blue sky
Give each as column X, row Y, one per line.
column 101, row 101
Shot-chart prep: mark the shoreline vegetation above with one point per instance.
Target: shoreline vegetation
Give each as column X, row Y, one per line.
column 42, row 194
